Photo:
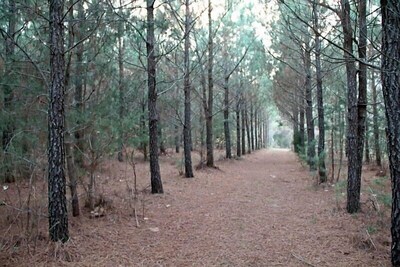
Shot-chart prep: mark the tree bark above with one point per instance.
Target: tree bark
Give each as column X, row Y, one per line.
column 78, row 99
column 367, row 151
column 57, row 206
column 362, row 85
column 227, row 132
column 210, row 102
column 353, row 180
column 309, row 111
column 375, row 121
column 156, row 183
column 256, row 128
column 320, row 101
column 243, row 134
column 238, row 129
column 247, row 130
column 391, row 93
column 187, row 127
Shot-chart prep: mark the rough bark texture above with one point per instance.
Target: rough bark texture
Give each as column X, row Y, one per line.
column 210, row 102
column 375, row 118
column 156, row 183
column 353, row 180
column 309, row 111
column 247, row 130
column 320, row 101
column 362, row 85
column 366, row 149
column 78, row 99
column 228, row 151
column 391, row 95
column 238, row 146
column 187, row 127
column 58, row 216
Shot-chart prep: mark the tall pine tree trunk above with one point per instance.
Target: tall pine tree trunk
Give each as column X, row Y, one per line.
column 320, row 101
column 309, row 111
column 57, row 206
column 187, row 127
column 247, row 130
column 353, row 180
column 391, row 94
column 238, row 129
column 227, row 132
column 362, row 85
column 210, row 102
column 156, row 183
column 78, row 94
column 243, row 124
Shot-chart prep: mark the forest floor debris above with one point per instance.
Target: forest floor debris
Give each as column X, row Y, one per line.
column 262, row 210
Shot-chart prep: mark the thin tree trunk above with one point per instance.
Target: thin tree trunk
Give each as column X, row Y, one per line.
column 243, row 134
column 391, row 93
column 367, row 151
column 156, row 183
column 57, row 205
column 78, row 99
column 187, row 127
column 332, row 151
column 256, row 128
column 353, row 180
column 375, row 121
column 209, row 117
column 71, row 169
column 362, row 85
column 320, row 102
column 238, row 129
column 226, row 119
column 177, row 138
column 252, row 124
column 301, row 127
column 309, row 111
column 248, row 131
column 121, row 90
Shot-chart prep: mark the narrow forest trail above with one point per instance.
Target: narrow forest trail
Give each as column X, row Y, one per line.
column 261, row 210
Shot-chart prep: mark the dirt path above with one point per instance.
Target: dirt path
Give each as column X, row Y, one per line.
column 258, row 211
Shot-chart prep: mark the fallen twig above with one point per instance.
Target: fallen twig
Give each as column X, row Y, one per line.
column 370, row 239
column 303, row 260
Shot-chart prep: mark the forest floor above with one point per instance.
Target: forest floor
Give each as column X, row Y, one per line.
column 262, row 210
